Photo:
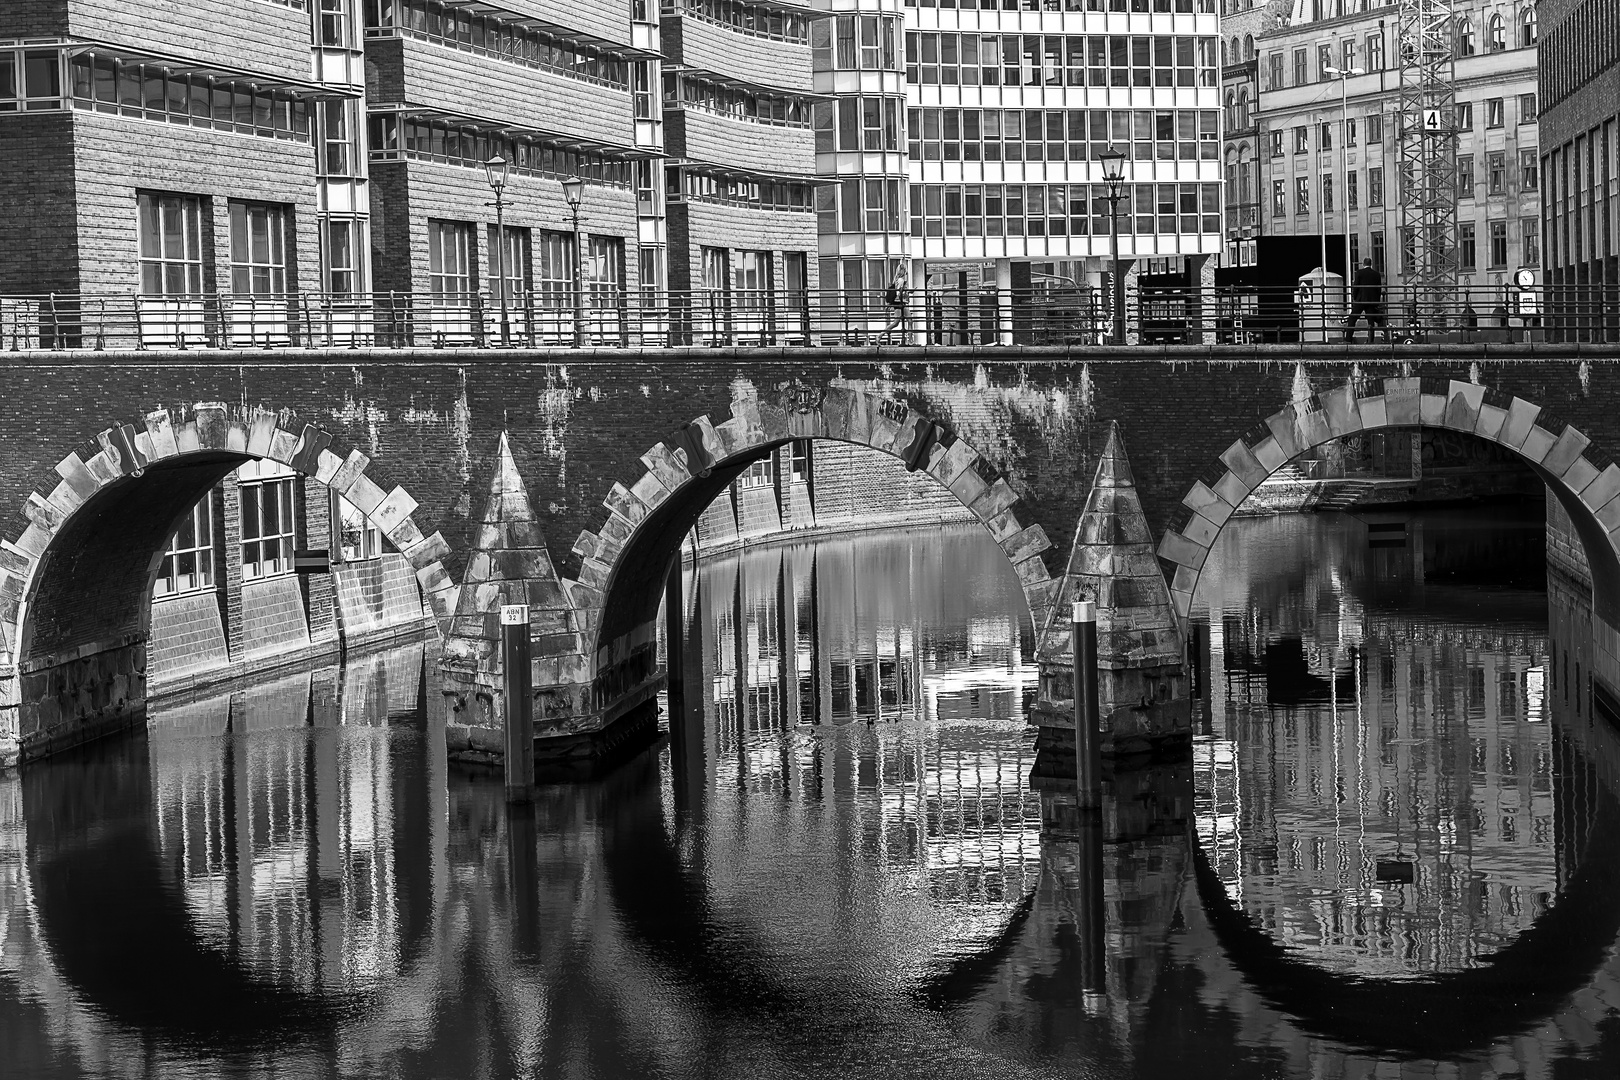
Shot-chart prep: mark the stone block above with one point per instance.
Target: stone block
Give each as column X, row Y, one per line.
column 1025, row 543
column 670, row 470
column 433, row 577
column 626, row 505
column 1204, row 500
column 1182, row 602
column 1178, row 549
column 1231, row 489
column 1284, row 425
column 1374, row 412
column 1186, row 580
column 1491, row 419
column 212, row 420
column 364, row 493
column 261, row 431
column 1431, row 410
column 1402, row 401
column 1520, row 419
column 650, row 490
column 1463, row 400
column 1030, row 571
column 995, row 499
column 160, row 429
column 1340, row 408
column 1313, row 428
column 1601, row 490
column 1200, row 530
column 1003, row 525
column 327, row 465
column 186, row 438
column 284, row 447
column 1537, row 444
column 957, row 457
column 1244, row 464
column 1571, row 444
column 119, row 445
column 1269, row 454
column 306, row 456
column 396, row 506
column 969, row 486
column 77, row 476
column 348, row 472
column 585, row 544
column 1609, row 515
column 236, row 437
column 404, row 534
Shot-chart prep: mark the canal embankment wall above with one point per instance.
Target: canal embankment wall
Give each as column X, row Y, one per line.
column 1568, row 569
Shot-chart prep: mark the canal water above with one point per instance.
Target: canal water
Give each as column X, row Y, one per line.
column 1399, row 857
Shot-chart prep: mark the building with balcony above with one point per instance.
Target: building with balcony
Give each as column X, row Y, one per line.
column 1331, row 170
column 997, row 196
column 1237, row 275
column 1580, row 167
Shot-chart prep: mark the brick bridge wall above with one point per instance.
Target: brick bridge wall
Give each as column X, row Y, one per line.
column 579, row 423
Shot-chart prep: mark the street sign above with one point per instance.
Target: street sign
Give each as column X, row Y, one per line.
column 312, row 561
column 514, row 614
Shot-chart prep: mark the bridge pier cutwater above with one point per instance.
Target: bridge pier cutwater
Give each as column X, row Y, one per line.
column 569, row 478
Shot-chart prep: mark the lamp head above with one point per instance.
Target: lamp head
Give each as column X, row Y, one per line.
column 495, row 170
column 574, row 191
column 1113, row 164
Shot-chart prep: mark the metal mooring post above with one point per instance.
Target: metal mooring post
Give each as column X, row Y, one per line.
column 518, row 690
column 1087, row 752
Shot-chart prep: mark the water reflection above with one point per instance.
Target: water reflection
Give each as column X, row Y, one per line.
column 849, row 874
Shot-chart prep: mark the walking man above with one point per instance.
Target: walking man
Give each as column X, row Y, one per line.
column 1367, row 299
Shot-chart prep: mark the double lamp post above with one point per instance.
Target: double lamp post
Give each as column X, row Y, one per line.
column 495, row 170
column 1113, row 164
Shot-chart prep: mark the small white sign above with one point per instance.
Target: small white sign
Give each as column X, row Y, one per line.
column 1431, row 119
column 514, row 614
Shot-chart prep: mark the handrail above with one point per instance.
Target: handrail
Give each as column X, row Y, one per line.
column 1154, row 314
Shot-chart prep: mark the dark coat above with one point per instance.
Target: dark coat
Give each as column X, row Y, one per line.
column 1369, row 286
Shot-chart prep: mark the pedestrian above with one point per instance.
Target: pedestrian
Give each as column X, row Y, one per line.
column 1367, row 298
column 897, row 298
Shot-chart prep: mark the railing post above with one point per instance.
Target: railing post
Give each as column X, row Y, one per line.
column 518, row 692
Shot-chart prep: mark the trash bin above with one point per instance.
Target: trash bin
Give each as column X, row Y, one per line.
column 1320, row 301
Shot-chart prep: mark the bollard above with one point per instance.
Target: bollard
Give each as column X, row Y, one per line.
column 518, row 691
column 1087, row 751
column 1093, row 916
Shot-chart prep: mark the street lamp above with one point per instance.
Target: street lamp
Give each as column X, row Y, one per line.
column 1113, row 165
column 495, row 170
column 574, row 192
column 1344, row 178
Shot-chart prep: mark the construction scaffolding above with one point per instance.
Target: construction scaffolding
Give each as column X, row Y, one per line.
column 1427, row 172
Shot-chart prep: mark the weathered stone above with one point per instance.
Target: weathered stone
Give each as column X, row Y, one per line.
column 1571, row 444
column 1463, row 401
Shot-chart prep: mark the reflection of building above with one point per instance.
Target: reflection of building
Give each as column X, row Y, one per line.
column 226, row 599
column 821, row 486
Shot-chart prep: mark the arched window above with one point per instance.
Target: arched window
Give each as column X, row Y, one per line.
column 1243, row 108
column 1248, row 46
column 1231, row 111
column 1244, row 187
column 1223, row 54
column 1498, row 34
column 1465, row 37
column 1527, row 28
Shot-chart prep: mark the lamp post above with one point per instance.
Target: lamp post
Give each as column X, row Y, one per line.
column 574, row 192
column 495, row 170
column 1344, row 172
column 1113, row 163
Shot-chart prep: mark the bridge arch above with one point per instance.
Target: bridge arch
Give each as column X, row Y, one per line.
column 625, row 562
column 1583, row 479
column 75, row 588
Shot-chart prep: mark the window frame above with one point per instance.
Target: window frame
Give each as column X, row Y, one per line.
column 262, row 531
column 198, row 545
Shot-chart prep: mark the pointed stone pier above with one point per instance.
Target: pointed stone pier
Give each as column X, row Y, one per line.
column 1143, row 683
column 509, row 564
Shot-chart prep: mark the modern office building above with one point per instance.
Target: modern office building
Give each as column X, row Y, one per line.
column 1332, row 170
column 1580, row 167
column 997, row 194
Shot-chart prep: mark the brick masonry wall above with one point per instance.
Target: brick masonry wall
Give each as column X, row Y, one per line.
column 607, row 19
column 702, row 136
column 694, row 225
column 267, row 38
column 705, row 45
column 187, row 637
column 38, row 190
column 475, row 85
column 114, row 157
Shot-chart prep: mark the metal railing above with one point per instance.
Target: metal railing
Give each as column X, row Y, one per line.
column 666, row 319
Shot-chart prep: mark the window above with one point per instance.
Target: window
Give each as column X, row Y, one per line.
column 450, row 246
column 188, row 564
column 1355, row 248
column 603, row 270
column 1375, row 128
column 357, row 537
column 1527, row 27
column 1377, row 244
column 1530, row 234
column 337, row 148
column 258, row 261
column 757, row 475
column 1347, row 54
column 554, row 282
column 1527, row 108
column 1302, row 194
column 1499, row 245
column 1529, row 170
column 1466, row 253
column 1352, row 194
column 1327, row 193
column 1495, row 172
column 334, row 24
column 1325, row 137
column 1375, row 188
column 1299, row 67
column 1498, row 40
column 716, row 269
column 1494, row 112
column 799, row 461
column 1274, row 71
column 1302, row 140
column 508, row 262
column 342, row 240
column 1276, row 139
column 40, row 84
column 1324, row 60
column 1279, row 199
column 1465, row 176
column 1465, row 37
column 1375, row 51
column 751, row 279
column 1465, row 115
column 268, row 524
column 1349, row 131
column 170, row 228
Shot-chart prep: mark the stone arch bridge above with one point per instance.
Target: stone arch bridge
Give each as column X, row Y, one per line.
column 565, row 479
